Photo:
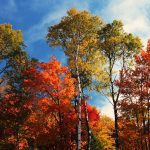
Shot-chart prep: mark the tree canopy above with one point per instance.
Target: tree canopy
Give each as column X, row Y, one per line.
column 45, row 105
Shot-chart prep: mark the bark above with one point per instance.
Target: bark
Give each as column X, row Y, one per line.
column 116, row 127
column 148, row 125
column 87, row 126
column 114, row 99
column 79, row 102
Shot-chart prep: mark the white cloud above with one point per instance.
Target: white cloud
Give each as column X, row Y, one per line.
column 133, row 13
column 107, row 109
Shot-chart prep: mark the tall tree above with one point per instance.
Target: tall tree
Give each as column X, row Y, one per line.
column 119, row 47
column 77, row 34
column 134, row 107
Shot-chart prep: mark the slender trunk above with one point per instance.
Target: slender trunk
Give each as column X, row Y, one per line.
column 115, row 101
column 87, row 125
column 148, row 125
column 79, row 101
column 116, row 127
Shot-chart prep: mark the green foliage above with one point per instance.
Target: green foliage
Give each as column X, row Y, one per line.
column 79, row 31
column 13, row 59
column 95, row 143
column 116, row 44
column 11, row 43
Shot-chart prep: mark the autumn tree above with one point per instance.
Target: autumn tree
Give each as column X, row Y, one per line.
column 52, row 123
column 14, row 112
column 105, row 132
column 77, row 34
column 14, row 60
column 102, row 128
column 118, row 47
column 134, row 107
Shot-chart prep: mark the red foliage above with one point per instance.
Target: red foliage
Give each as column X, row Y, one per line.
column 134, row 108
column 53, row 122
column 94, row 115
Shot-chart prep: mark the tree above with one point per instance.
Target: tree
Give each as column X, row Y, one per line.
column 77, row 34
column 53, row 120
column 134, row 108
column 13, row 59
column 11, row 43
column 103, row 131
column 13, row 97
column 14, row 112
column 102, row 128
column 118, row 47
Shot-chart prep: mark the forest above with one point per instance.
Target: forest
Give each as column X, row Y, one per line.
column 45, row 106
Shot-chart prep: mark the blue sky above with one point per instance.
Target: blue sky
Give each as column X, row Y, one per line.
column 34, row 16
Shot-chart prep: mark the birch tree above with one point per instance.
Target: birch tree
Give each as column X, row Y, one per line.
column 77, row 33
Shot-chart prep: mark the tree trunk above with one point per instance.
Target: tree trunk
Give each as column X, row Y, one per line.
column 116, row 127
column 87, row 125
column 148, row 125
column 79, row 102
column 115, row 101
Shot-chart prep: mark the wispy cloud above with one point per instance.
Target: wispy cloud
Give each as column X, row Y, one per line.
column 133, row 13
column 38, row 31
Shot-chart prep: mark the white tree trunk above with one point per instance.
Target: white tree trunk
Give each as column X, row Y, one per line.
column 87, row 125
column 79, row 102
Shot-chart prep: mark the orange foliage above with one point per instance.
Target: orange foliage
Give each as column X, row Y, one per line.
column 53, row 121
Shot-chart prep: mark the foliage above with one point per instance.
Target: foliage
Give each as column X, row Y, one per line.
column 79, row 31
column 11, row 43
column 37, row 108
column 95, row 143
column 118, row 47
column 134, row 108
column 53, row 119
column 102, row 128
column 13, row 98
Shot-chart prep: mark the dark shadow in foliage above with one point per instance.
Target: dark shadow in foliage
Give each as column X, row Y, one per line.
column 95, row 143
